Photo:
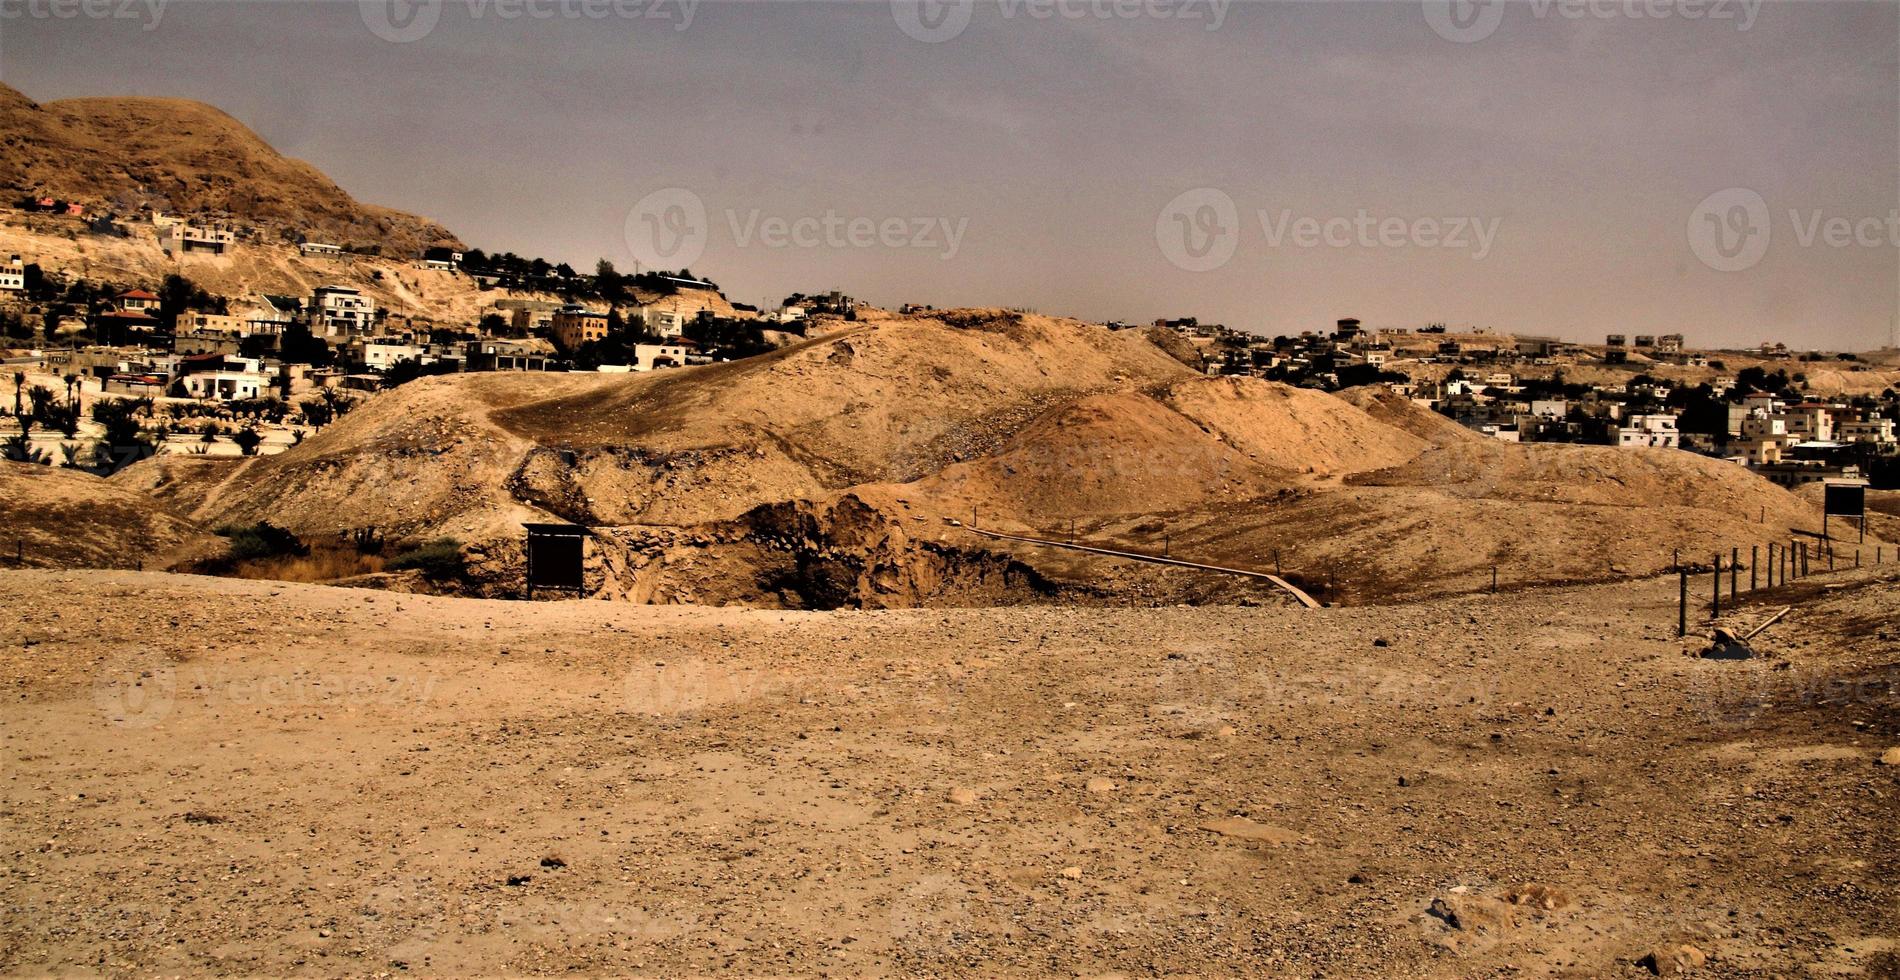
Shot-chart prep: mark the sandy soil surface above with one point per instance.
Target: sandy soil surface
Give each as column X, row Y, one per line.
column 220, row 776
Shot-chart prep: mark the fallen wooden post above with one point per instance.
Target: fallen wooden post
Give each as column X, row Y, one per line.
column 1770, row 622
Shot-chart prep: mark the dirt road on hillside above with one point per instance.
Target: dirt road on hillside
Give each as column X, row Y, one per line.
column 208, row 776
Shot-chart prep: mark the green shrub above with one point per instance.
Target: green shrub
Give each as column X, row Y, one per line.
column 261, row 540
column 437, row 560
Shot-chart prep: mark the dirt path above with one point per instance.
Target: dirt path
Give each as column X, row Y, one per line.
column 328, row 781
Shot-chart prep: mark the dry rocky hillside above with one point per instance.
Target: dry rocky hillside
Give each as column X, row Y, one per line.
column 184, row 157
column 838, row 472
column 52, row 517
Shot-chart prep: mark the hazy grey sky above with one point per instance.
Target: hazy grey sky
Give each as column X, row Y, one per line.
column 1552, row 167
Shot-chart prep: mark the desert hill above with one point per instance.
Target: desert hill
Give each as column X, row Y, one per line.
column 836, row 471
column 880, row 402
column 60, row 518
column 185, row 157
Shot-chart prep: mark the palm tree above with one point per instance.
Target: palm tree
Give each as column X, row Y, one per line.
column 19, row 382
column 71, row 380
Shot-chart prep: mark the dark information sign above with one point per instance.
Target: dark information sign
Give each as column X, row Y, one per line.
column 1845, row 499
column 555, row 554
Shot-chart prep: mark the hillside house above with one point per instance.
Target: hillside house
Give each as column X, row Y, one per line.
column 222, row 377
column 320, row 249
column 340, row 311
column 119, row 327
column 1792, row 473
column 135, row 301
column 573, row 325
column 1810, row 421
column 532, row 320
column 186, row 236
column 195, row 321
column 647, row 357
column 1869, row 431
column 1649, row 430
column 13, row 275
column 506, row 355
column 441, row 259
column 271, row 315
column 662, row 322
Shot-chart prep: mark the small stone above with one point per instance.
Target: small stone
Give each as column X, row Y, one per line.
column 961, row 795
column 1673, row 961
column 1072, row 873
column 1101, row 785
column 1891, row 757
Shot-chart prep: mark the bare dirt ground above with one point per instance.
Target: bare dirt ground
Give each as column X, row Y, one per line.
column 221, row 776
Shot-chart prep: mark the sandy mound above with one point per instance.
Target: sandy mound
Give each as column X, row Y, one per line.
column 476, row 454
column 61, row 518
column 1293, row 428
column 1396, row 410
column 1104, row 455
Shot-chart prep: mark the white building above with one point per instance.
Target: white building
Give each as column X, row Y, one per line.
column 339, row 311
column 665, row 323
column 226, row 386
column 185, row 236
column 13, row 275
column 381, row 355
column 320, row 248
column 646, row 357
column 1650, row 430
column 1874, row 430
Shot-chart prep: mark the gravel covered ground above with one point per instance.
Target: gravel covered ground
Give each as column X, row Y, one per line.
column 221, row 776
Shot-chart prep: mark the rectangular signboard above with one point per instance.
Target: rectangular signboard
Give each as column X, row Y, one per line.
column 1845, row 499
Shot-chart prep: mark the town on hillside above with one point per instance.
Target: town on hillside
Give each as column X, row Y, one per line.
column 107, row 369
column 107, row 372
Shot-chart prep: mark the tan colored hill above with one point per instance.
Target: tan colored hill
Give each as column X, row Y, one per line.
column 831, row 473
column 879, row 402
column 178, row 156
column 59, row 518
